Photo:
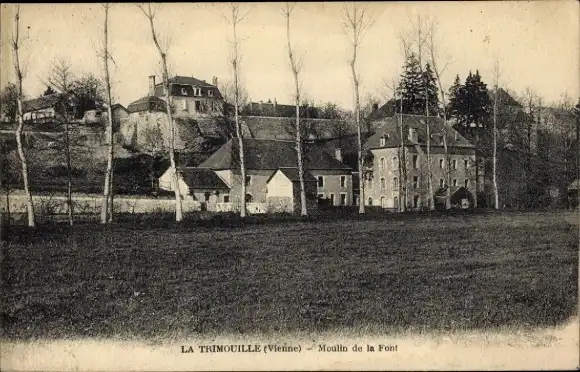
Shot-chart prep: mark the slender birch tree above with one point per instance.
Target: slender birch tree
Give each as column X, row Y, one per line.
column 496, row 76
column 438, row 72
column 234, row 19
column 356, row 22
column 150, row 15
column 420, row 36
column 296, row 66
column 20, row 77
column 107, row 201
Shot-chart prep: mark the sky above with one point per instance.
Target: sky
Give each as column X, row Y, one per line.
column 535, row 43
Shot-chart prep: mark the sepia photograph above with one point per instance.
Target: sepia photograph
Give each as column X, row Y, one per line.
column 290, row 186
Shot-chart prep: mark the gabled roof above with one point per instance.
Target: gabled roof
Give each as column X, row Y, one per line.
column 41, row 103
column 118, row 106
column 200, row 178
column 271, row 155
column 185, row 82
column 386, row 110
column 504, row 98
column 391, row 131
column 144, row 103
column 293, row 176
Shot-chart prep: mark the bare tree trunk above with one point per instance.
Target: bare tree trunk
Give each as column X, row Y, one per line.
column 495, row 189
column 295, row 72
column 68, row 174
column 178, row 208
column 107, row 202
column 21, row 154
column 357, row 22
column 235, row 65
column 445, row 124
column 476, row 165
column 420, row 41
column 402, row 164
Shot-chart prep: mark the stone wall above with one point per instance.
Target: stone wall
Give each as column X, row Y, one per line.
column 91, row 204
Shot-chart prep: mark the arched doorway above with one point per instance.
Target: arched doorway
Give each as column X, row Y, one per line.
column 383, row 202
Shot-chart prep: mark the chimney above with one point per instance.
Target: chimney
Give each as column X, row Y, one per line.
column 152, row 85
column 214, row 81
column 338, row 154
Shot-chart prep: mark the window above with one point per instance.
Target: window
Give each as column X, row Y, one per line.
column 183, row 92
column 342, row 199
column 320, row 195
column 197, row 106
column 248, row 180
column 441, row 163
column 383, row 141
column 210, row 93
column 441, row 182
column 415, row 161
column 226, row 198
column 383, row 202
column 382, row 162
column 331, row 199
column 416, row 201
column 395, row 183
column 466, row 163
column 369, row 184
column 248, row 198
column 184, row 104
column 396, row 202
column 394, row 162
column 415, row 182
column 466, row 183
column 206, row 196
column 370, row 201
column 320, row 181
column 454, row 162
column 454, row 182
column 382, row 183
column 342, row 181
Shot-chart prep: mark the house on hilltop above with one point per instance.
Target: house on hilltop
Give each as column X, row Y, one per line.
column 197, row 108
column 382, row 156
column 271, row 176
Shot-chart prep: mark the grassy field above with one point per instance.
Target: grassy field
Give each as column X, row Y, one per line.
column 394, row 274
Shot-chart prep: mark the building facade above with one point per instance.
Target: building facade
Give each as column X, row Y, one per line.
column 387, row 164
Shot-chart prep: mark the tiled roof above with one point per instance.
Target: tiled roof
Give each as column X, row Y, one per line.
column 202, row 178
column 292, row 175
column 41, row 103
column 271, row 154
column 264, row 127
column 391, row 131
column 144, row 103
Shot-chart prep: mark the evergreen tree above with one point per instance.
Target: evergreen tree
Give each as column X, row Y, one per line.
column 432, row 91
column 49, row 91
column 478, row 103
column 412, row 88
column 455, row 107
column 410, row 85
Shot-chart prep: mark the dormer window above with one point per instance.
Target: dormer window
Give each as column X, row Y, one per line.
column 210, row 93
column 197, row 92
column 383, row 141
column 413, row 134
column 183, row 92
